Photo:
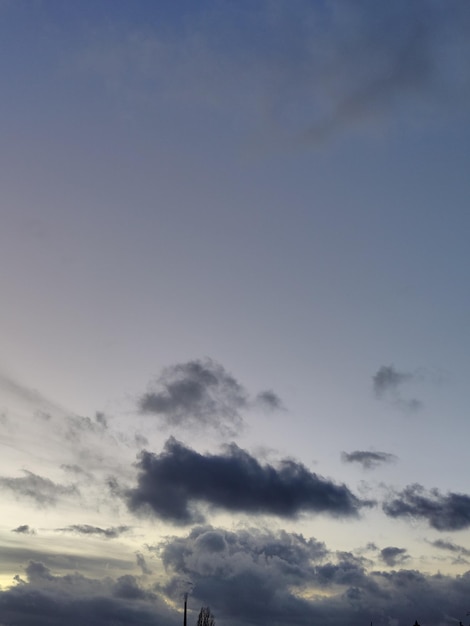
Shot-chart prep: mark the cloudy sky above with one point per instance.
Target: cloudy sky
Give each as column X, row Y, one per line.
column 235, row 315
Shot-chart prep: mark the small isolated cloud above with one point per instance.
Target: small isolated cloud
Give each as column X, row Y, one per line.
column 269, row 400
column 86, row 529
column 173, row 483
column 393, row 556
column 41, row 490
column 201, row 394
column 387, row 384
column 442, row 512
column 24, row 529
column 368, row 460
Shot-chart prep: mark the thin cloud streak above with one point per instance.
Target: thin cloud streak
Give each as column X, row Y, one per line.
column 368, row 460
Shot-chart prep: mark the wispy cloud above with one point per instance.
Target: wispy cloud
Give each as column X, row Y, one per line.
column 43, row 491
column 318, row 69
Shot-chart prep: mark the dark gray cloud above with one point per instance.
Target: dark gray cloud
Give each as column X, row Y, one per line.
column 258, row 577
column 24, row 529
column 368, row 460
column 387, row 384
column 172, row 483
column 442, row 512
column 202, row 393
column 41, row 490
column 393, row 556
column 86, row 529
column 248, row 576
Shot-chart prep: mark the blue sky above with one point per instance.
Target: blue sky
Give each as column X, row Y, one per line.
column 234, row 251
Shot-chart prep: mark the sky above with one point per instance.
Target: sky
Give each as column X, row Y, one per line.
column 235, row 315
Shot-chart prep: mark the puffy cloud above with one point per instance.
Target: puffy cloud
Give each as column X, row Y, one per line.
column 172, row 483
column 196, row 393
column 368, row 460
column 442, row 512
column 202, row 393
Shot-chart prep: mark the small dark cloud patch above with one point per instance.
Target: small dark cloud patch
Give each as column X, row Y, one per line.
column 24, row 529
column 450, row 547
column 387, row 385
column 202, row 394
column 393, row 556
column 389, row 379
column 269, row 400
column 142, row 563
column 86, row 529
column 172, row 483
column 43, row 491
column 442, row 512
column 368, row 460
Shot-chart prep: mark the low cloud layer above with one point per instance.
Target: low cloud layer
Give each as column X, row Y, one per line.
column 258, row 577
column 201, row 394
column 368, row 460
column 442, row 512
column 42, row 598
column 173, row 483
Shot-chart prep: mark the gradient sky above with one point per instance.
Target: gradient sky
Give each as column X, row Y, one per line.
column 235, row 314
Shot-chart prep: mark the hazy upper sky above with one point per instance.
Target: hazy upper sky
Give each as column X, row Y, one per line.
column 235, row 314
